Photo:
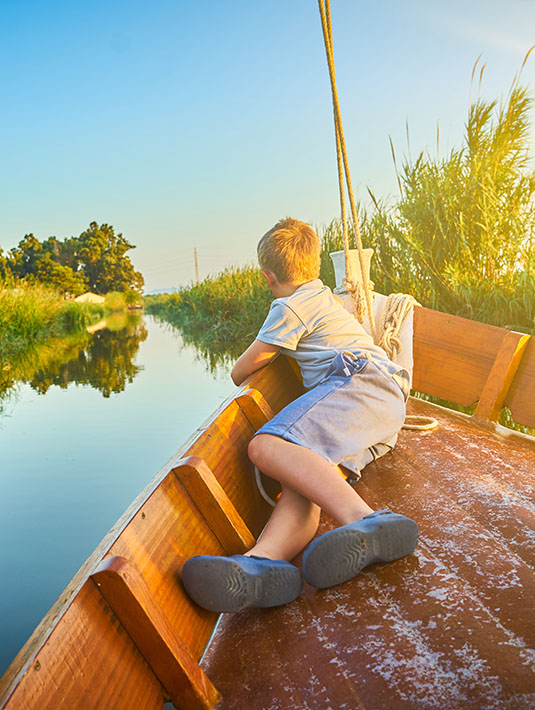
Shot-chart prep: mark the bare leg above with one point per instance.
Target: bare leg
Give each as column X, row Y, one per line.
column 309, row 474
column 292, row 525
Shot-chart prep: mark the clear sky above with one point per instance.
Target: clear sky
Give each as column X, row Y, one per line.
column 199, row 123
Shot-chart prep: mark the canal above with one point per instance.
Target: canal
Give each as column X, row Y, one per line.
column 83, row 428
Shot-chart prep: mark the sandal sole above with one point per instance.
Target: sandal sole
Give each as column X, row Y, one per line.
column 339, row 555
column 224, row 584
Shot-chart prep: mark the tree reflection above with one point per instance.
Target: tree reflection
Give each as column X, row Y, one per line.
column 103, row 360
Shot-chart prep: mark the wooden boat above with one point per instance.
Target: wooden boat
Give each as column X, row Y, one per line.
column 451, row 626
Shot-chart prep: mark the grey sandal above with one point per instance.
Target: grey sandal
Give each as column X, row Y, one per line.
column 228, row 584
column 341, row 554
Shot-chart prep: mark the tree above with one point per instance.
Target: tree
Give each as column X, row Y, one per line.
column 104, row 261
column 96, row 260
column 23, row 258
column 62, row 278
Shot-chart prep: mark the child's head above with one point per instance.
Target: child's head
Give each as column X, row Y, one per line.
column 291, row 251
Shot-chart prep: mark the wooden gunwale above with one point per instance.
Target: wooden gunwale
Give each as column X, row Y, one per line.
column 449, row 361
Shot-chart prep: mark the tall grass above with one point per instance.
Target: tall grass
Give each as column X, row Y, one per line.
column 32, row 314
column 461, row 237
column 222, row 313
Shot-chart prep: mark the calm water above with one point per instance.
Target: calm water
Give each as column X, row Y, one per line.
column 79, row 440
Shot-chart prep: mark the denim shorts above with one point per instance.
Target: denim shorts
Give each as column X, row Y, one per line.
column 351, row 418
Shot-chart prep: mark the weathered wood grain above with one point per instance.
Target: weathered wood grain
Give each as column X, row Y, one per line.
column 132, row 602
column 214, row 505
column 450, row 626
column 500, row 377
column 521, row 397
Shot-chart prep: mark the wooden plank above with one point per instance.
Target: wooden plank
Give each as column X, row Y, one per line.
column 484, row 561
column 506, row 456
column 255, row 407
column 124, row 590
column 214, row 505
column 521, row 397
column 224, row 448
column 167, row 531
column 452, row 356
column 91, row 664
column 476, row 470
column 500, row 377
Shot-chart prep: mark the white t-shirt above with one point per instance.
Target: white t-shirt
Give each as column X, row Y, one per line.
column 312, row 326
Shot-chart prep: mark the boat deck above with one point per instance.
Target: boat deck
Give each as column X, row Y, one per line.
column 451, row 626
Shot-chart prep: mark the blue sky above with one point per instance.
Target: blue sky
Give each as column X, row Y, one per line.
column 198, row 124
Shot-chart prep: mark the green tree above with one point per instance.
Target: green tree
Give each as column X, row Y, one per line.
column 97, row 260
column 24, row 257
column 104, row 261
column 55, row 275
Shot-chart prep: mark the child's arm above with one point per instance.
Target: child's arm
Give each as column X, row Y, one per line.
column 256, row 356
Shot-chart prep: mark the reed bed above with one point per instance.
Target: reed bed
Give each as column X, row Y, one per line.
column 33, row 314
column 222, row 313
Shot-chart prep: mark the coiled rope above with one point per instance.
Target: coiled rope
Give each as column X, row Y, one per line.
column 397, row 308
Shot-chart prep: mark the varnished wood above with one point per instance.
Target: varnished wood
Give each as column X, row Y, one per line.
column 132, row 602
column 401, row 635
column 453, row 356
column 500, row 377
column 91, row 663
column 214, row 505
column 255, row 407
column 521, row 397
column 157, row 534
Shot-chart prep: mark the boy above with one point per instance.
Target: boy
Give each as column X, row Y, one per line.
column 354, row 405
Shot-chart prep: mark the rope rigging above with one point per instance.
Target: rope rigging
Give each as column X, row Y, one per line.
column 359, row 290
column 397, row 305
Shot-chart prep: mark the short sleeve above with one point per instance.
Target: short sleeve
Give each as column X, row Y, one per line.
column 282, row 327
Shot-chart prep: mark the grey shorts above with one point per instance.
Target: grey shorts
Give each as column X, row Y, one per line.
column 349, row 419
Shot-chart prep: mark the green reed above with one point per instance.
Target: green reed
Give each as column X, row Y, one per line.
column 460, row 238
column 223, row 312
column 33, row 314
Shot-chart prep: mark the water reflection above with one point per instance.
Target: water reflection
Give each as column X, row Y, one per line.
column 217, row 356
column 103, row 359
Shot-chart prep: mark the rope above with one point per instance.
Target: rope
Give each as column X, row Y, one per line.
column 265, row 495
column 360, row 292
column 418, row 423
column 397, row 308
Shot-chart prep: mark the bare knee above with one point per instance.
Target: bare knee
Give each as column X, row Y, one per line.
column 258, row 449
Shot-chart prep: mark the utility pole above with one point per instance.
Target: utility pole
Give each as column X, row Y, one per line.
column 196, row 265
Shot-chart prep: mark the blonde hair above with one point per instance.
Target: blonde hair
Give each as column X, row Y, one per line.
column 291, row 250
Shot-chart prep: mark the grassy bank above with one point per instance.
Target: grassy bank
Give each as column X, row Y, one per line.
column 31, row 315
column 220, row 315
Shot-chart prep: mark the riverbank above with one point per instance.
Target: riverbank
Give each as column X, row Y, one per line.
column 30, row 315
column 220, row 315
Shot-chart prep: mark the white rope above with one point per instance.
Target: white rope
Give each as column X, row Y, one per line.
column 261, row 489
column 396, row 309
column 417, row 423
